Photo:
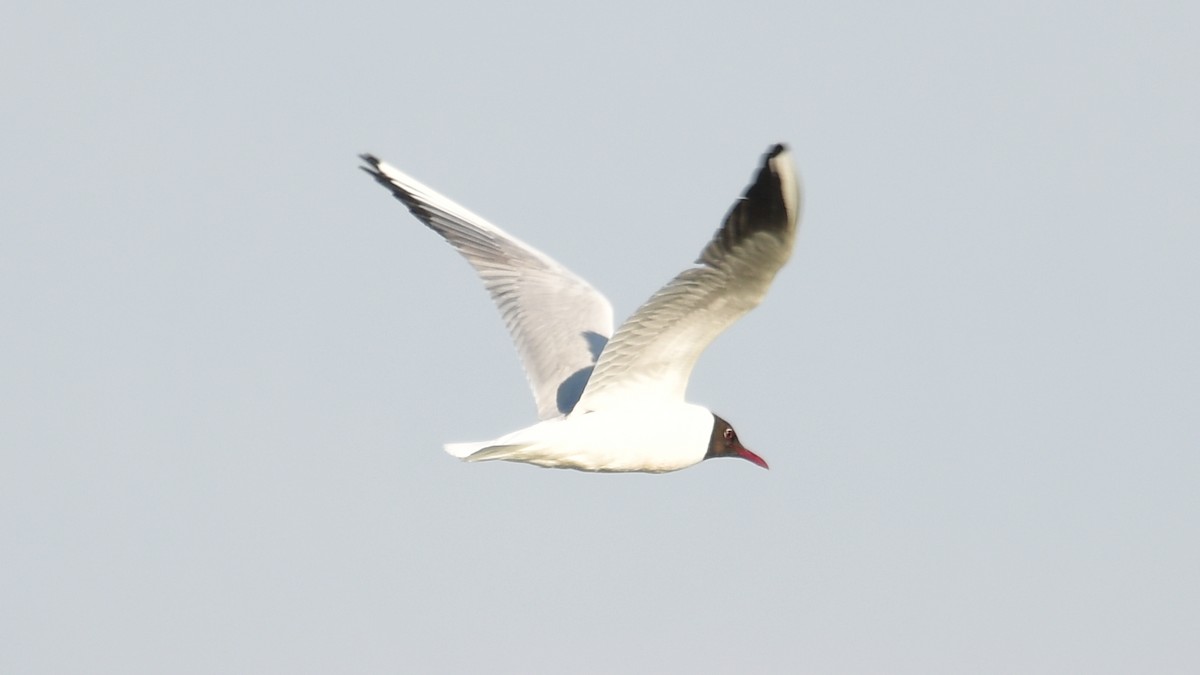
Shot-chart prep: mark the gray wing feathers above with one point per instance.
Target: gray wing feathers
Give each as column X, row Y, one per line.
column 557, row 320
column 653, row 353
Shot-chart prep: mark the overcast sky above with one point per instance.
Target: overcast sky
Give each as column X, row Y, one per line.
column 229, row 360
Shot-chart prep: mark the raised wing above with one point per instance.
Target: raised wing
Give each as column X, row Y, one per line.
column 652, row 355
column 558, row 321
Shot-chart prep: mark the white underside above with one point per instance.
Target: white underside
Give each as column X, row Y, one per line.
column 652, row 439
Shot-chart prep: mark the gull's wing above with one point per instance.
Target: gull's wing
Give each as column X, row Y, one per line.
column 652, row 354
column 557, row 320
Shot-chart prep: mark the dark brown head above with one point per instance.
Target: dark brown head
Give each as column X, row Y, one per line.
column 724, row 443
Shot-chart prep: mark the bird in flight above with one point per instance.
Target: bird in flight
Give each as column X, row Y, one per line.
column 615, row 402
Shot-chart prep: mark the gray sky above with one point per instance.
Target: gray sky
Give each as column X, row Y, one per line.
column 229, row 359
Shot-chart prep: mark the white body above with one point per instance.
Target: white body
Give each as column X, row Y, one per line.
column 632, row 438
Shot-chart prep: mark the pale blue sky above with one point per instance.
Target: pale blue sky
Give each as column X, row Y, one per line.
column 229, row 359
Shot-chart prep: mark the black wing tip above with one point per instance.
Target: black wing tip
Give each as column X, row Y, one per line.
column 763, row 207
column 371, row 166
column 372, row 162
column 768, row 178
column 373, row 169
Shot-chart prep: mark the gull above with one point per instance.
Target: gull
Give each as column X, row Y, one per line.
column 615, row 402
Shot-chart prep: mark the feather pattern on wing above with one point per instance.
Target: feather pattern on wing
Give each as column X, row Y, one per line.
column 559, row 322
column 652, row 354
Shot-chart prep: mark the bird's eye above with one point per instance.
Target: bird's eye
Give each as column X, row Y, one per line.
column 729, row 433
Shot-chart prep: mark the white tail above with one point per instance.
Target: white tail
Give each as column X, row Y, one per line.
column 465, row 450
column 481, row 452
